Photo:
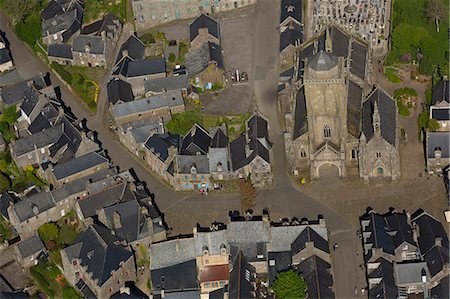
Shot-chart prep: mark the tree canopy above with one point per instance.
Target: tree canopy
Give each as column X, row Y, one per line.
column 48, row 231
column 289, row 285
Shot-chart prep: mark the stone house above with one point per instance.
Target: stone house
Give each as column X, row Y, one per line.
column 97, row 264
column 440, row 105
column 251, row 153
column 28, row 250
column 133, row 135
column 6, row 63
column 15, row 94
column 150, row 13
column 191, row 172
column 63, row 139
column 96, row 42
column 151, row 107
column 162, row 85
column 219, row 156
column 60, row 53
column 31, row 212
column 203, row 29
column 437, row 151
column 119, row 91
column 76, row 168
column 205, row 64
column 61, row 20
column 160, row 151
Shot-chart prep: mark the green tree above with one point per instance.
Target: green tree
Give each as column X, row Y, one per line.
column 172, row 57
column 48, row 231
column 9, row 115
column 289, row 285
column 19, row 9
column 5, row 184
column 433, row 125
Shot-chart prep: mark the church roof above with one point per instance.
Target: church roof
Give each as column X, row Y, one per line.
column 323, row 61
column 388, row 115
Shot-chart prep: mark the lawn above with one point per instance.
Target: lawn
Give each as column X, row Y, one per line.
column 181, row 123
column 415, row 37
column 48, row 279
column 6, row 231
column 95, row 9
column 405, row 98
column 80, row 77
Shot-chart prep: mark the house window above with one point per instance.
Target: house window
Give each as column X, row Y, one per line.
column 327, row 131
column 207, row 285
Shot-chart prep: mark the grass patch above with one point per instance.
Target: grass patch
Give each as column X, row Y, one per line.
column 49, row 280
column 79, row 78
column 181, row 123
column 6, row 231
column 405, row 97
column 95, row 9
column 391, row 75
column 29, row 30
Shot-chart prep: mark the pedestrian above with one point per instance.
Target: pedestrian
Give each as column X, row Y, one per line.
column 357, row 252
column 356, row 291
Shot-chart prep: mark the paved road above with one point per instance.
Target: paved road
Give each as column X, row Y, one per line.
column 184, row 210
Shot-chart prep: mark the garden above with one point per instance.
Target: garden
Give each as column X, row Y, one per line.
column 83, row 80
column 420, row 36
column 406, row 100
column 181, row 123
column 94, row 9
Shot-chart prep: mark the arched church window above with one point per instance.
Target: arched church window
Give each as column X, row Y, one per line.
column 327, row 131
column 378, row 155
column 302, row 153
column 380, row 170
column 354, row 153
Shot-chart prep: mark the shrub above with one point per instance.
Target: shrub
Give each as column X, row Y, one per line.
column 289, row 285
column 5, row 184
column 172, row 57
column 30, row 29
column 48, row 231
column 67, row 235
column 425, row 67
column 391, row 75
column 65, row 75
column 433, row 125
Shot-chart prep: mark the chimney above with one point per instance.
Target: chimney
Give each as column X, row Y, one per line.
column 124, row 53
column 438, row 241
column 177, row 245
column 194, row 231
column 117, row 223
column 87, row 47
column 162, row 293
column 103, row 35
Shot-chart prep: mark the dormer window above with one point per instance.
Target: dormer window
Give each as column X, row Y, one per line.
column 205, row 250
column 437, row 152
column 223, row 249
column 219, row 166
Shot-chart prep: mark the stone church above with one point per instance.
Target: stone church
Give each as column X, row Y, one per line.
column 338, row 123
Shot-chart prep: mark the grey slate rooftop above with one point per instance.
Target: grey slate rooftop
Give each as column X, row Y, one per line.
column 159, row 144
column 119, row 90
column 186, row 162
column 291, row 8
column 5, row 56
column 197, row 140
column 322, row 61
column 30, row 246
column 169, row 99
column 60, row 51
column 316, row 273
column 179, row 277
column 198, row 60
column 291, row 36
column 166, row 83
column 438, row 141
column 301, row 122
column 441, row 92
column 133, row 48
column 95, row 44
column 96, row 251
column 204, row 21
column 78, row 165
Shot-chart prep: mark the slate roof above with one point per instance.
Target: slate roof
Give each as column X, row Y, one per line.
column 322, row 61
column 96, row 44
column 386, row 288
column 119, row 90
column 62, row 22
column 283, row 236
column 185, row 163
column 60, row 51
column 410, row 273
column 238, row 153
column 203, row 21
column 159, row 144
column 78, row 165
column 240, row 283
column 309, row 235
column 172, row 252
column 358, row 59
column 167, row 83
column 115, row 194
column 429, row 231
column 41, row 201
column 379, row 237
column 134, row 47
column 218, row 156
column 30, row 246
column 442, row 289
column 398, row 224
column 388, row 114
column 29, row 103
column 249, row 236
column 278, row 262
column 442, row 114
column 301, row 121
column 355, row 93
column 48, row 117
column 18, row 92
column 96, row 251
column 4, row 56
column 340, row 41
column 56, row 7
column 437, row 140
column 315, row 271
column 5, row 199
column 196, row 140
column 219, row 140
column 290, row 36
column 108, row 23
column 198, row 60
column 441, row 92
column 169, row 99
column 145, row 67
column 130, row 218
column 291, row 8
column 180, row 277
